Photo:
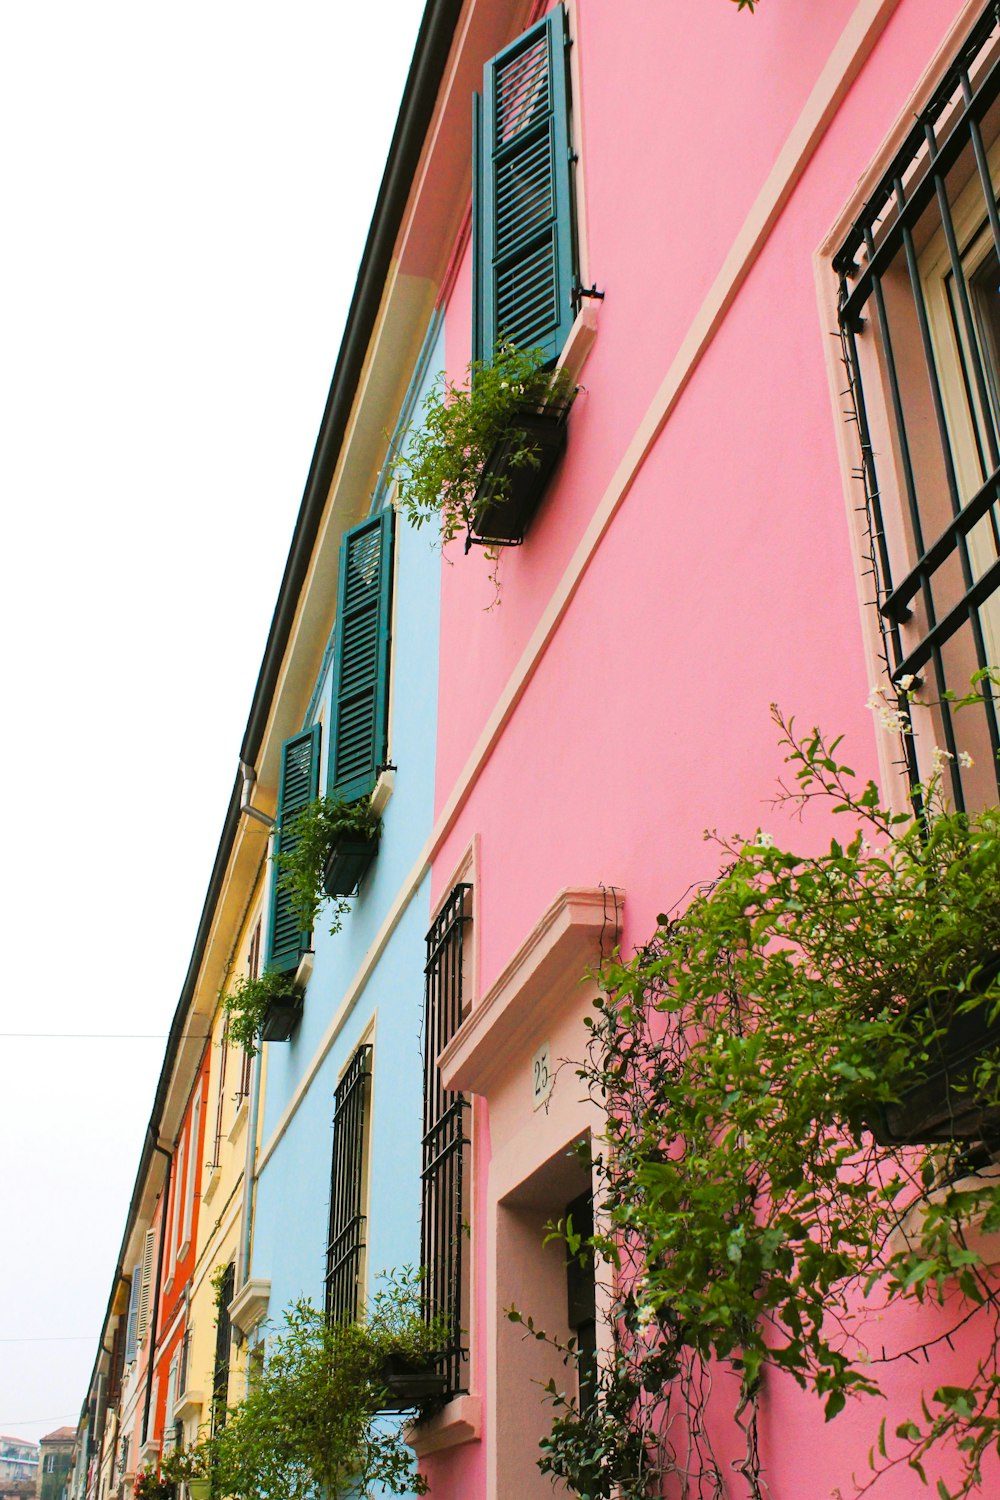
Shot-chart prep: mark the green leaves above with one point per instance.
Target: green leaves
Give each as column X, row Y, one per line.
column 309, row 1423
column 438, row 470
column 312, row 834
column 740, row 1057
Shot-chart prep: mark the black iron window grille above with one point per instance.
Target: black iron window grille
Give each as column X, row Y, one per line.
column 223, row 1342
column 346, row 1242
column 920, row 328
column 445, row 1143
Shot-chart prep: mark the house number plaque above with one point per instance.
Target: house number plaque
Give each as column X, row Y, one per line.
column 541, row 1076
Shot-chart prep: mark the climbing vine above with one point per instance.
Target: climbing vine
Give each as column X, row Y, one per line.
column 802, row 1086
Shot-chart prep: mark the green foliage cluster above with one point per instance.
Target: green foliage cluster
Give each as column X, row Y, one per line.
column 182, row 1465
column 310, row 1423
column 438, row 472
column 749, row 1219
column 308, row 840
column 247, row 1002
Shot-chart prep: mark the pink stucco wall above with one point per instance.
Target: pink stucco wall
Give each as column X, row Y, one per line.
column 727, row 579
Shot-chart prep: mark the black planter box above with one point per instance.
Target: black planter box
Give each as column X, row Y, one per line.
column 408, row 1384
column 508, row 494
column 347, row 864
column 281, row 1018
column 942, row 1105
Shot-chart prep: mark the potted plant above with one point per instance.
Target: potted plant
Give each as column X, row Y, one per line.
column 311, row 1422
column 332, row 846
column 190, row 1466
column 152, row 1486
column 263, row 1009
column 485, row 450
column 411, row 1381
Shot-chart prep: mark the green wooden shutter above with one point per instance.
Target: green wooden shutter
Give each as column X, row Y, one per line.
column 477, row 228
column 526, row 219
column 298, row 786
column 361, row 661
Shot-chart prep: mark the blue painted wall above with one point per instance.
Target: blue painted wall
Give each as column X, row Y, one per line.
column 291, row 1216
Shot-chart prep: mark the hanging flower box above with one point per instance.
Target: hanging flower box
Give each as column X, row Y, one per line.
column 281, row 1016
column 942, row 1104
column 411, row 1383
column 348, row 862
column 510, row 486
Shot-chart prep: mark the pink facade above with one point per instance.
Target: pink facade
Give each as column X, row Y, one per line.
column 696, row 558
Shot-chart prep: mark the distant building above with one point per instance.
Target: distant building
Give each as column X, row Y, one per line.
column 55, row 1455
column 18, row 1460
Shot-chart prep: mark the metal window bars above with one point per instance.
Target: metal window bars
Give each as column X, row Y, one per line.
column 346, row 1241
column 223, row 1340
column 445, row 1148
column 919, row 309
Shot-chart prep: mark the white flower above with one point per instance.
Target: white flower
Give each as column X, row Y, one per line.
column 965, row 760
column 940, row 759
column 906, row 681
column 646, row 1315
column 763, row 840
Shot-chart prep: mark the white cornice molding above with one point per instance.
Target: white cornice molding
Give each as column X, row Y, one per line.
column 539, row 981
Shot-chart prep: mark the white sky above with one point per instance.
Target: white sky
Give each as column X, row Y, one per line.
column 185, row 191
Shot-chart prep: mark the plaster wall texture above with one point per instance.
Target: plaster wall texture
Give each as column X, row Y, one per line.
column 293, row 1183
column 727, row 578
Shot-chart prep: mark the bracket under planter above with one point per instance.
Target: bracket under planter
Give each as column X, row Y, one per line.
column 347, row 864
column 942, row 1104
column 282, row 1016
column 409, row 1384
column 508, row 494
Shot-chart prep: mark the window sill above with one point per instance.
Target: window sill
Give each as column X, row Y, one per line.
column 239, row 1119
column 581, row 340
column 208, row 1191
column 384, row 788
column 249, row 1306
column 460, row 1422
column 188, row 1404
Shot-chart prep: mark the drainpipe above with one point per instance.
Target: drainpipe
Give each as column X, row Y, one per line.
column 249, row 782
column 155, row 1314
column 250, row 1160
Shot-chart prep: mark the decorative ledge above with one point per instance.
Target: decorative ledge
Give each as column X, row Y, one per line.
column 384, row 788
column 541, row 978
column 581, row 339
column 188, row 1404
column 209, row 1190
column 461, row 1421
column 249, row 1306
column 149, row 1452
column 239, row 1119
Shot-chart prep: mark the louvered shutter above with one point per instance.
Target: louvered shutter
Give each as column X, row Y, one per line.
column 145, row 1288
column 361, row 660
column 298, row 786
column 133, row 1315
column 524, row 202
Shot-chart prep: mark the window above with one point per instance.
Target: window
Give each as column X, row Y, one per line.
column 192, row 1174
column 145, row 1284
column 524, row 250
column 223, row 1341
column 253, row 967
column 359, row 723
column 298, row 786
column 445, row 1153
column 346, row 1243
column 133, row 1315
column 920, row 325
